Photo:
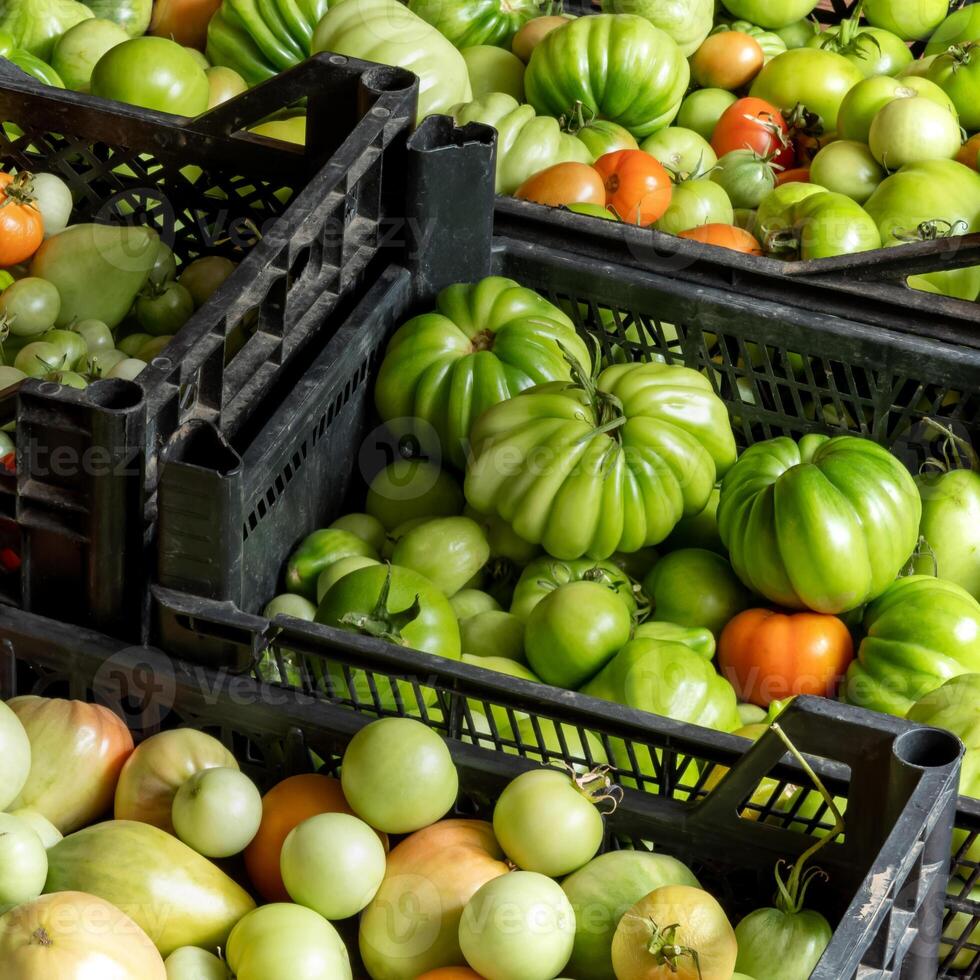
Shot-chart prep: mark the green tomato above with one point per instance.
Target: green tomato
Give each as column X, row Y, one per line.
column 23, row 863
column 695, row 203
column 194, row 963
column 950, row 526
column 493, row 69
column 484, row 343
column 697, row 638
column 44, row 828
column 817, row 79
column 959, row 27
column 164, row 310
column 472, row 602
column 35, row 29
column 366, row 527
column 501, row 716
column 337, row 570
column 71, row 344
column 154, row 73
column 867, row 98
column 569, row 838
column 98, row 364
column 526, row 142
column 317, row 552
column 913, row 131
column 519, row 926
column 154, row 347
column 846, row 523
column 798, row 34
column 910, row 21
column 133, row 15
column 15, row 756
column 602, row 891
column 478, row 22
column 545, row 575
column 574, row 631
column 543, row 463
column 394, row 604
column 282, row 940
column 164, row 268
column 682, row 151
column 71, row 379
column 279, row 665
column 398, row 776
column 504, row 543
column 847, row 167
column 767, row 13
column 203, row 277
column 671, row 680
column 410, row 488
column 53, row 199
column 39, row 359
column 919, row 633
column 957, row 73
column 781, row 945
column 132, row 344
column 953, row 707
column 701, row 110
column 619, row 66
column 701, row 529
column 387, row 32
column 79, row 49
column 688, row 23
column 217, row 812
column 30, row 306
column 592, row 211
column 601, row 136
column 224, row 84
column 695, row 588
column 332, row 863
column 96, row 334
column 871, row 50
column 745, row 177
column 493, row 633
column 448, row 551
column 832, row 224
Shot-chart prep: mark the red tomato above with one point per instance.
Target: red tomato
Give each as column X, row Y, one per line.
column 638, row 188
column 754, row 125
column 768, row 655
column 563, row 184
column 798, row 175
column 724, row 236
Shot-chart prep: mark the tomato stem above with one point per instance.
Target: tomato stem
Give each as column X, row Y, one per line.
column 665, row 949
column 381, row 623
column 951, row 447
column 597, row 787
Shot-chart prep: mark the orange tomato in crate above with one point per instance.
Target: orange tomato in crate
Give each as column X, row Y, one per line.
column 562, row 184
column 724, row 236
column 638, row 187
column 21, row 225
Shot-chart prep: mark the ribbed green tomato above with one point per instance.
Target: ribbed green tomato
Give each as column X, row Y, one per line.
column 545, row 574
column 954, row 707
column 526, row 142
column 825, row 524
column 950, row 526
column 686, row 21
column 694, row 203
column 775, row 14
column 470, row 22
column 817, row 79
column 920, row 633
column 619, row 66
column 484, row 343
column 593, row 468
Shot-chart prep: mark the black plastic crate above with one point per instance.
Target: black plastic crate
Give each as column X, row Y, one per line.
column 82, row 501
column 886, row 874
column 869, row 286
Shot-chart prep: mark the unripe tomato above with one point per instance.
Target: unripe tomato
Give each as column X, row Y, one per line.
column 729, row 60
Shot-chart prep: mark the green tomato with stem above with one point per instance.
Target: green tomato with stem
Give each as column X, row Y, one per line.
column 217, row 812
column 701, row 110
column 682, row 151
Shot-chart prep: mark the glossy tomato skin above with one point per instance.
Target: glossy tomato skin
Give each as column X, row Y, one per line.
column 773, row 943
column 769, row 656
column 847, row 167
column 638, row 188
column 872, row 51
column 682, row 151
column 591, row 512
column 155, row 73
column 724, row 236
column 480, row 22
column 544, row 575
column 766, row 13
column 951, row 527
column 817, row 79
column 729, row 60
column 694, row 204
column 526, row 142
column 641, row 74
column 957, row 73
column 499, row 339
column 757, row 125
column 601, row 136
column 21, row 224
column 701, row 110
column 746, row 178
column 960, row 26
column 317, row 552
column 448, row 551
column 573, row 631
column 564, row 184
column 846, row 523
column 909, row 21
column 867, row 98
column 919, row 633
column 913, row 131
column 833, row 224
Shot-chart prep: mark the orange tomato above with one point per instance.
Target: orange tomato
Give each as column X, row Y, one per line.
column 450, row 973
column 285, row 806
column 21, row 226
column 798, row 175
column 729, row 60
column 724, row 236
column 969, row 154
column 184, row 21
column 564, row 183
column 768, row 655
column 638, row 188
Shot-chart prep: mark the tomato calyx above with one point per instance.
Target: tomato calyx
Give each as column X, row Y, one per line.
column 579, row 117
column 41, row 937
column 932, row 230
column 963, row 54
column 665, row 949
column 607, row 408
column 598, row 788
column 20, row 191
column 482, row 341
column 381, row 623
